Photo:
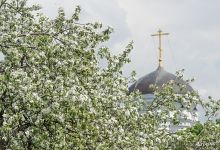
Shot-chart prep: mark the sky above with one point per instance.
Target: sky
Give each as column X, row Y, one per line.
column 193, row 43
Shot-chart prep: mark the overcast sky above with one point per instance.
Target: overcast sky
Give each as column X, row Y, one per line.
column 193, row 43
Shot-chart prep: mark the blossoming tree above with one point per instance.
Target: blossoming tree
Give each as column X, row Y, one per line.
column 55, row 95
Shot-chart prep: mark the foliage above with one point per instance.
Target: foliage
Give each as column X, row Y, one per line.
column 200, row 136
column 55, row 95
column 217, row 121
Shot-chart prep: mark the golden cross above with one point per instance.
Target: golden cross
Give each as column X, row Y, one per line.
column 159, row 34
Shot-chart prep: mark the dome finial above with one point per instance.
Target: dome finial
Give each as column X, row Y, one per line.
column 159, row 34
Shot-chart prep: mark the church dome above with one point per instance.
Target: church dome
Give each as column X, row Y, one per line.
column 158, row 78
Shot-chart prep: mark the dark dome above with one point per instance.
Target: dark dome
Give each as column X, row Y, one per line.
column 158, row 78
